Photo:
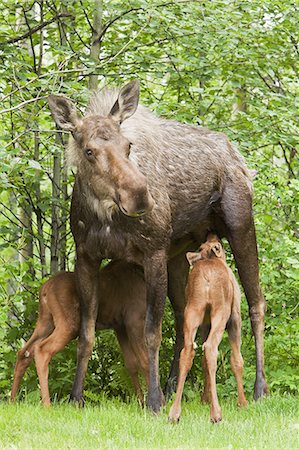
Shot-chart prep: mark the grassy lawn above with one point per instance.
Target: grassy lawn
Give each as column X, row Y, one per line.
column 268, row 424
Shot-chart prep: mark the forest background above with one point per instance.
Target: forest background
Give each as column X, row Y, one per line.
column 228, row 65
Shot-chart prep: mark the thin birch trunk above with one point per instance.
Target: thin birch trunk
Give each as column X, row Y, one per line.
column 240, row 104
column 38, row 211
column 55, row 209
column 63, row 190
column 95, row 40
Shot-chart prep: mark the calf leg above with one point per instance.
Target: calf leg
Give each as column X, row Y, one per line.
column 25, row 355
column 135, row 333
column 206, row 395
column 24, row 359
column 44, row 352
column 237, row 210
column 131, row 362
column 178, row 269
column 218, row 323
column 234, row 335
column 192, row 320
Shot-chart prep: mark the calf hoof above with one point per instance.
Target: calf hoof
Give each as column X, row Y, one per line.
column 216, row 416
column 174, row 413
column 242, row 403
column 216, row 419
column 47, row 404
column 205, row 398
column 173, row 419
column 260, row 389
column 155, row 400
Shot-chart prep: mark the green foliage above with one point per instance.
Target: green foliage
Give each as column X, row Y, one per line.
column 228, row 65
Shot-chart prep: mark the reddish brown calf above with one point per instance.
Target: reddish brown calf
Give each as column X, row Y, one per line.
column 213, row 302
column 122, row 308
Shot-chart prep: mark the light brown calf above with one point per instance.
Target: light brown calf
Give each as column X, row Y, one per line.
column 212, row 302
column 122, row 308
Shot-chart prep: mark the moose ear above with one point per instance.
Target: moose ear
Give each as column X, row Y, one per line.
column 216, row 249
column 127, row 102
column 193, row 257
column 64, row 112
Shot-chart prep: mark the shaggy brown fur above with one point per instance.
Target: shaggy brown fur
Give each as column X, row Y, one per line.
column 147, row 190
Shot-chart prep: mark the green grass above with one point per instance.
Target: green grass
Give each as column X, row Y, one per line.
column 268, row 424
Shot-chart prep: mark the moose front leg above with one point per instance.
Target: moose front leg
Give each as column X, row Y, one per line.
column 178, row 269
column 155, row 271
column 86, row 280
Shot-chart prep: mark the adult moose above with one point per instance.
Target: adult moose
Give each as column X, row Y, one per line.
column 148, row 189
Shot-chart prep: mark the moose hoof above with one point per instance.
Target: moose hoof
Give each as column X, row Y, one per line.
column 260, row 389
column 77, row 401
column 155, row 401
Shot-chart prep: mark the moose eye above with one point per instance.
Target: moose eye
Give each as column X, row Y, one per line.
column 89, row 153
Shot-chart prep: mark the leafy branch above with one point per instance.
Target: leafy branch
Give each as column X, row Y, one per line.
column 35, row 29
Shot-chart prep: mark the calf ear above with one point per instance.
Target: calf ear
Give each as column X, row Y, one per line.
column 217, row 249
column 192, row 258
column 127, row 102
column 64, row 112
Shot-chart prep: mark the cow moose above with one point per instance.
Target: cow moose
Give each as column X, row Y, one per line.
column 122, row 308
column 147, row 190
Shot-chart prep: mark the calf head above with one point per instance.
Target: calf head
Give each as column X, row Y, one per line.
column 212, row 248
column 101, row 152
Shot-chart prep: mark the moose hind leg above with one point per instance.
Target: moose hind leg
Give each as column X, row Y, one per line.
column 241, row 235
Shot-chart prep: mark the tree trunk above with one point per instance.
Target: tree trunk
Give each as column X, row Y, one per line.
column 95, row 40
column 55, row 208
column 59, row 190
column 38, row 211
column 64, row 218
column 240, row 104
column 12, row 285
column 26, row 248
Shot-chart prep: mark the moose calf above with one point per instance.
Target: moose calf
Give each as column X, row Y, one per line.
column 122, row 308
column 212, row 302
